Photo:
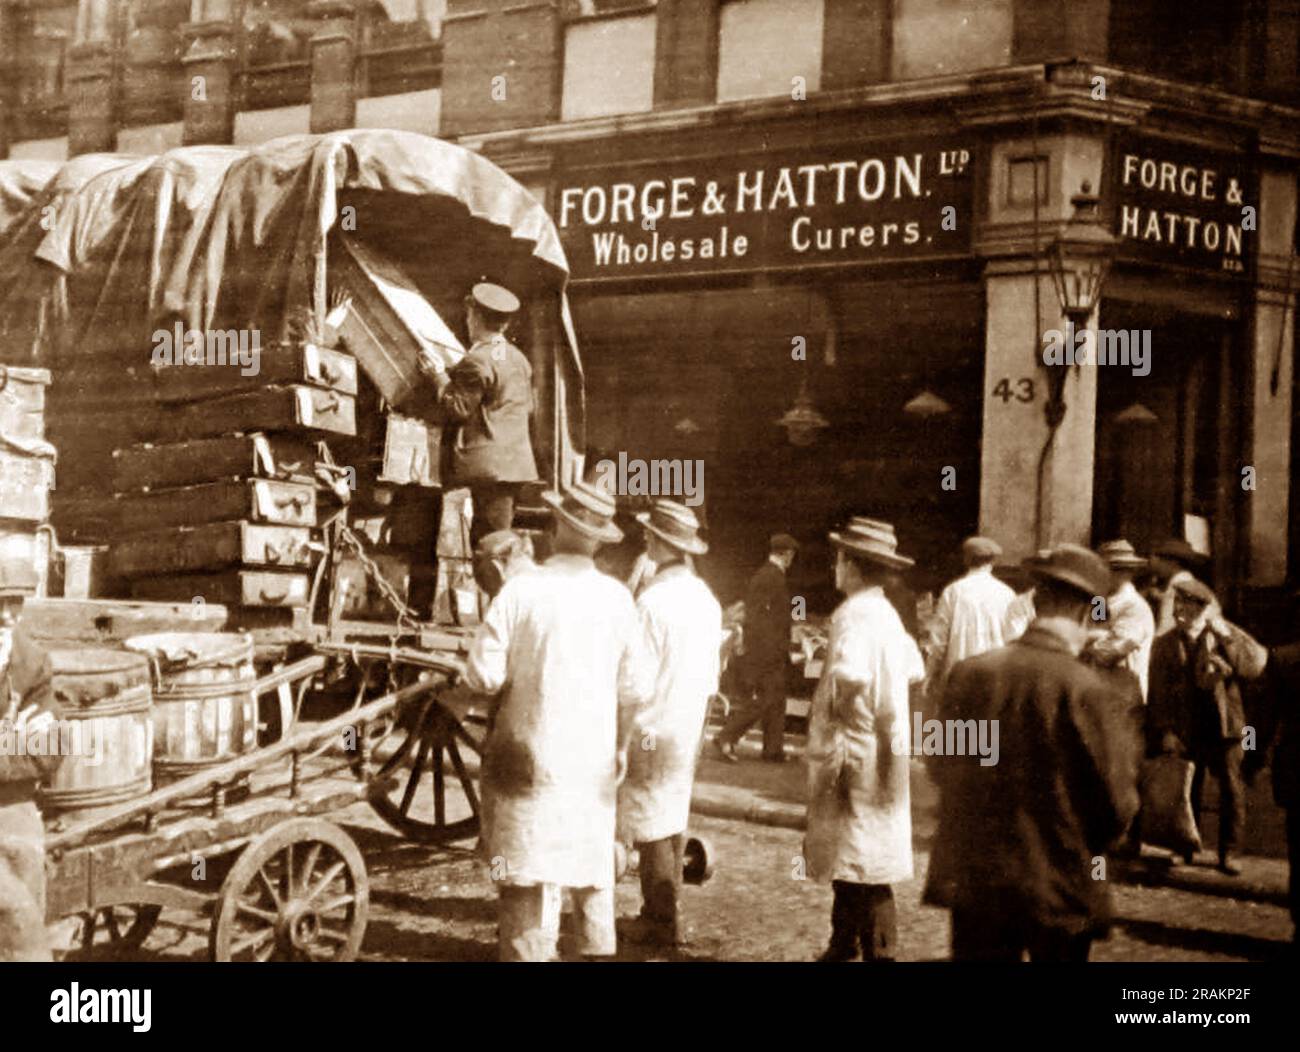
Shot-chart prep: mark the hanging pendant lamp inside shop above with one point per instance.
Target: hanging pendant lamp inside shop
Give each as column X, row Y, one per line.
column 927, row 404
column 1137, row 413
column 801, row 421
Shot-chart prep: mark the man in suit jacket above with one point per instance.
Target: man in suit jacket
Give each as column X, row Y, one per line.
column 1021, row 840
column 489, row 394
column 1195, row 705
column 766, row 659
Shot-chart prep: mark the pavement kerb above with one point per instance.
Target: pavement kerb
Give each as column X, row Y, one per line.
column 781, row 816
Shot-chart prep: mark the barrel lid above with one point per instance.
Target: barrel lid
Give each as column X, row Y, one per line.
column 90, row 661
column 194, row 649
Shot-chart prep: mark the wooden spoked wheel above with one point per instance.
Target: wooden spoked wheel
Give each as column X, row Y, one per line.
column 427, row 788
column 112, row 931
column 298, row 892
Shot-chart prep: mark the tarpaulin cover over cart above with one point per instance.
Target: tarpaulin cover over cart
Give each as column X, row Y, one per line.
column 99, row 253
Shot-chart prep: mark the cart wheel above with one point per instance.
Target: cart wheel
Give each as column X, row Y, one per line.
column 298, row 892
column 697, row 862
column 113, row 931
column 434, row 747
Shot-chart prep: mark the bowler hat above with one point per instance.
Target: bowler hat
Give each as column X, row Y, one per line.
column 17, row 578
column 1075, row 567
column 674, row 524
column 494, row 298
column 588, row 509
column 1120, row 555
column 1179, row 551
column 871, row 539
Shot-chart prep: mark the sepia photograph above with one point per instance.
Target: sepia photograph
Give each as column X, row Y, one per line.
column 707, row 482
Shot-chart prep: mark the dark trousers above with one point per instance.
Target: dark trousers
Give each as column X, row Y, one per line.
column 1293, row 859
column 661, row 880
column 863, row 919
column 986, row 934
column 1225, row 764
column 762, row 698
column 494, row 507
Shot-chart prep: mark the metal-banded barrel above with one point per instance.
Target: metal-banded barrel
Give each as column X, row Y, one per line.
column 104, row 734
column 204, row 707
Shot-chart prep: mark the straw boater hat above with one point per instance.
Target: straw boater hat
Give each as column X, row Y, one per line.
column 674, row 524
column 1075, row 567
column 873, row 540
column 1120, row 555
column 588, row 509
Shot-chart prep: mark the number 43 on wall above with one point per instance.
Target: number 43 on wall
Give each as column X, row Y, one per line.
column 1024, row 390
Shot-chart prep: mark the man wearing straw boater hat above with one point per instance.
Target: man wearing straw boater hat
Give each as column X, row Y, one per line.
column 682, row 622
column 859, row 834
column 970, row 614
column 27, row 708
column 562, row 647
column 1015, row 856
column 489, row 394
column 1126, row 633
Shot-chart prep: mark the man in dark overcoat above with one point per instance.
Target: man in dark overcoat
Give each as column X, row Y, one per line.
column 1019, row 856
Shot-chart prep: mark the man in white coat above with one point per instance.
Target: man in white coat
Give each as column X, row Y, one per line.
column 971, row 613
column 682, row 626
column 1125, row 637
column 859, row 818
column 562, row 645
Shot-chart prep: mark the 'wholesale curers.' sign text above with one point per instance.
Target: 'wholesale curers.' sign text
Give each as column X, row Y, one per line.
column 774, row 210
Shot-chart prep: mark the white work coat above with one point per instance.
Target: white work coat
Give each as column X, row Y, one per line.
column 1130, row 631
column 1020, row 615
column 859, row 809
column 682, row 625
column 968, row 621
column 562, row 645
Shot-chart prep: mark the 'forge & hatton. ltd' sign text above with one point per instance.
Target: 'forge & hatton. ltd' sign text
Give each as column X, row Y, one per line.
column 828, row 205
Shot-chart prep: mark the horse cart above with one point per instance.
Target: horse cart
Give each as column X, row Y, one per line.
column 232, row 342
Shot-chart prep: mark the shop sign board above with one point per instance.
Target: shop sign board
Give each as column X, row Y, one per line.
column 1182, row 204
column 774, row 210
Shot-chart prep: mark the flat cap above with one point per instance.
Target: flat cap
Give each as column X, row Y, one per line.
column 783, row 542
column 980, row 548
column 1189, row 587
column 498, row 543
column 494, row 298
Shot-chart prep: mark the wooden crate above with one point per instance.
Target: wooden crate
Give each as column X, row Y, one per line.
column 288, row 408
column 278, row 364
column 22, row 401
column 412, row 450
column 25, row 482
column 389, row 322
column 234, row 588
column 259, row 500
column 285, row 457
column 215, row 546
column 91, row 620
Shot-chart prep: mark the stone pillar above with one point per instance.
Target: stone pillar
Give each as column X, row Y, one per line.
column 333, row 65
column 8, row 82
column 686, row 52
column 1270, row 342
column 1023, row 508
column 857, row 42
column 502, row 65
column 92, row 117
column 210, row 74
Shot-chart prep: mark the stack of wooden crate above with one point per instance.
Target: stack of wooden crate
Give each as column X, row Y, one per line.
column 201, row 479
column 26, row 469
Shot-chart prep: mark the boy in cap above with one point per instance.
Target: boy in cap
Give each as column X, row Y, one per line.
column 26, row 705
column 970, row 614
column 682, row 624
column 1015, row 853
column 489, row 394
column 1195, row 706
column 765, row 663
column 562, row 647
column 859, row 834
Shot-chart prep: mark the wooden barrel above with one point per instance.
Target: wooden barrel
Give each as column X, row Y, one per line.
column 204, row 708
column 105, row 734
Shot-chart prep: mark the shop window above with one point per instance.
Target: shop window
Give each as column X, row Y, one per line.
column 275, row 37
column 38, row 54
column 399, row 46
column 769, row 47
column 937, row 37
column 609, row 59
column 153, row 79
